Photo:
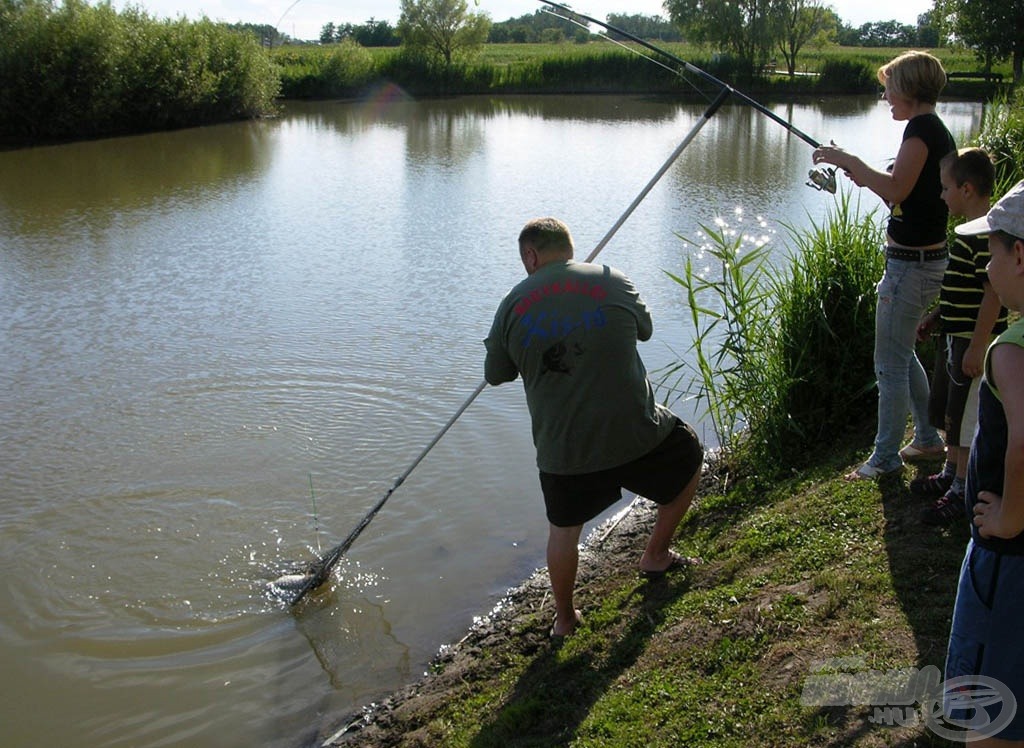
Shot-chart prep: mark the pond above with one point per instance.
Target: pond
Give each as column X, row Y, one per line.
column 221, row 346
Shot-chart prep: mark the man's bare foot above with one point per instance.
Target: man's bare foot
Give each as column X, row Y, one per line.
column 560, row 629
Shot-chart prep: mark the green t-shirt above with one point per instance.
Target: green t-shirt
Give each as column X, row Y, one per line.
column 571, row 330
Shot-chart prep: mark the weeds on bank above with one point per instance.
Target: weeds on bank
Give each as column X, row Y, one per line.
column 782, row 354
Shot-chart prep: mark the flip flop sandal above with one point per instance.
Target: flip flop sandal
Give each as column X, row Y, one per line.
column 678, row 563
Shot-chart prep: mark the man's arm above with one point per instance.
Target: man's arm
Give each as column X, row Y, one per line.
column 498, row 365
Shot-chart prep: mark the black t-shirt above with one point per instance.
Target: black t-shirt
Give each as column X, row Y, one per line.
column 920, row 219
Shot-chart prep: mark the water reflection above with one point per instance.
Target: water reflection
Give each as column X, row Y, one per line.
column 44, row 189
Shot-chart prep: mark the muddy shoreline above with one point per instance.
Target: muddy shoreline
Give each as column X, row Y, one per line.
column 519, row 623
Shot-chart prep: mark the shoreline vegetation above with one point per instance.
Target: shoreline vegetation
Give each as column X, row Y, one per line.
column 76, row 71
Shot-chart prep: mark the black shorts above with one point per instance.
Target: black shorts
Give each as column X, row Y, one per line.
column 950, row 391
column 660, row 475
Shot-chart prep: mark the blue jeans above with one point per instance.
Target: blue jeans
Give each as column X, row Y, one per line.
column 906, row 290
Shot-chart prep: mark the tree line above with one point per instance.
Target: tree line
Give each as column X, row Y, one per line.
column 754, row 31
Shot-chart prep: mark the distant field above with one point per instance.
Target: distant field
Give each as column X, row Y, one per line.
column 810, row 59
column 598, row 66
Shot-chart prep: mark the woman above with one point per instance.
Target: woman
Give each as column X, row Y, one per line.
column 915, row 255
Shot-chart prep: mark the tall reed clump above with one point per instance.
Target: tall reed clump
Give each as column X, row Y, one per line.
column 782, row 356
column 345, row 69
column 74, row 70
column 1002, row 135
column 848, row 76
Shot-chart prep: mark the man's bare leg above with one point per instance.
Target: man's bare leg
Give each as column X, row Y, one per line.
column 657, row 556
column 563, row 560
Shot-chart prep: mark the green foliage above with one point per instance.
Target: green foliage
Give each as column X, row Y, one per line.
column 442, row 28
column 782, row 357
column 742, row 27
column 530, row 28
column 731, row 317
column 825, row 336
column 325, row 72
column 994, row 29
column 848, row 76
column 1002, row 135
column 76, row 70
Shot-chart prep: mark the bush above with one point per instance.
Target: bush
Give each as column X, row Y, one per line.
column 75, row 70
column 1002, row 135
column 341, row 70
column 847, row 76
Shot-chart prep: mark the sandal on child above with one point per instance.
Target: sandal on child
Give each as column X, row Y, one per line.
column 931, row 486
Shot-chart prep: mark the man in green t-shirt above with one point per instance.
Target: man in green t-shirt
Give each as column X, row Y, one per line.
column 570, row 330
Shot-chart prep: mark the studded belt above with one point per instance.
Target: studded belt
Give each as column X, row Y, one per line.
column 916, row 255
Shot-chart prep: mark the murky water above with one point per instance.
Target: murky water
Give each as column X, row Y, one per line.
column 220, row 347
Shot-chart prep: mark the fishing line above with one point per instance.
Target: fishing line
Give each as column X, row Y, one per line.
column 820, row 179
column 297, row 584
column 637, row 52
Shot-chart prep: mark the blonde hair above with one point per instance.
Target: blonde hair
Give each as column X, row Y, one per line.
column 915, row 75
column 547, row 235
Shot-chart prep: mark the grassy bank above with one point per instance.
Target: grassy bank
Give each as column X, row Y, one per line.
column 811, row 577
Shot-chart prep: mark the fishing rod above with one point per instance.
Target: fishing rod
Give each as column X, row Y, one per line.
column 297, row 584
column 820, row 179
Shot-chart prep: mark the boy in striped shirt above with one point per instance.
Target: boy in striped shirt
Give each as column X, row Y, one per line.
column 969, row 315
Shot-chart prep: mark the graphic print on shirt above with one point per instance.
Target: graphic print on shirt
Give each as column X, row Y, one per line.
column 561, row 330
column 560, row 359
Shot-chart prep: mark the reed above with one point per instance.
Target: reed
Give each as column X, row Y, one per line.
column 781, row 356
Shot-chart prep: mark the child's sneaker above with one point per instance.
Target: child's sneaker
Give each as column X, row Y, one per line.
column 931, row 486
column 945, row 511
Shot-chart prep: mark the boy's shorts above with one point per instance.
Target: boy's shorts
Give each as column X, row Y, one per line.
column 660, row 475
column 952, row 394
column 985, row 640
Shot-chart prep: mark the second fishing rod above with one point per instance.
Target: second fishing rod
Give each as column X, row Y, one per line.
column 820, row 179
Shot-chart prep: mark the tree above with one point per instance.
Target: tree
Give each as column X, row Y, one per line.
column 994, row 29
column 530, row 28
column 646, row 27
column 738, row 26
column 928, row 33
column 443, row 28
column 796, row 22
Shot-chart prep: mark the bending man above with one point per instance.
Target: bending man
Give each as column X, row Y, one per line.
column 570, row 329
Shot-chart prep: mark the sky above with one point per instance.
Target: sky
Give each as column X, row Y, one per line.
column 303, row 19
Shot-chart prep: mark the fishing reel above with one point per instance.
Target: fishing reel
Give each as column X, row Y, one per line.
column 823, row 179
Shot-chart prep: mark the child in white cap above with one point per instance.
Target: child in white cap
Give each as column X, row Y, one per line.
column 986, row 646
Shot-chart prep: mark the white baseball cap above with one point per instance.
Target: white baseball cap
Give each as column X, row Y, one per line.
column 1006, row 215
